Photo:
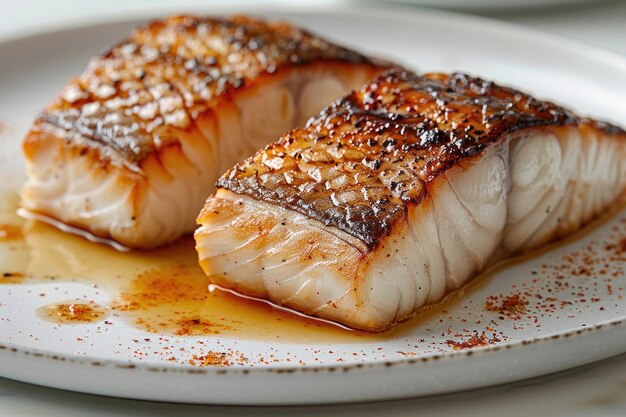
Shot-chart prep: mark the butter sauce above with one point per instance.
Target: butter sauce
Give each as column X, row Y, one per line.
column 160, row 291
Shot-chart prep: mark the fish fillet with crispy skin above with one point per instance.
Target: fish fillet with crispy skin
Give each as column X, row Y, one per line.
column 400, row 193
column 131, row 148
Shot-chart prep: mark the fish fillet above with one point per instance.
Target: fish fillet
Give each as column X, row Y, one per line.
column 401, row 192
column 131, row 148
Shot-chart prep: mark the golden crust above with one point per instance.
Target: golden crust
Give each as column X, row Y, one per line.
column 371, row 154
column 169, row 72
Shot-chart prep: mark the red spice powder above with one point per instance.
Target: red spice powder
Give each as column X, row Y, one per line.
column 212, row 358
column 618, row 247
column 189, row 326
column 476, row 340
column 511, row 306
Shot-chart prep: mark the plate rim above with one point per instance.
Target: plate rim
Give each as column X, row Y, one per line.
column 390, row 11
column 475, row 352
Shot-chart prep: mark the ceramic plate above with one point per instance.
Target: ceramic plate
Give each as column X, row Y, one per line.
column 153, row 331
column 491, row 5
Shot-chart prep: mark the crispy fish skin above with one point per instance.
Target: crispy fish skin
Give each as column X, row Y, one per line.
column 401, row 192
column 130, row 148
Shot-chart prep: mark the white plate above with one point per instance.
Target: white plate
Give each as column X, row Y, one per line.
column 586, row 320
column 491, row 5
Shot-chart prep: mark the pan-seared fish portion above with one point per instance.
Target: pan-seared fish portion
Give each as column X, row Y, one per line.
column 403, row 191
column 131, row 149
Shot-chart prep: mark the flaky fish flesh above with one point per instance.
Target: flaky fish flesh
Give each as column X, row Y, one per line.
column 131, row 148
column 399, row 193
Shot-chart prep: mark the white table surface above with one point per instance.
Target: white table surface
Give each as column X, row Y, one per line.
column 594, row 390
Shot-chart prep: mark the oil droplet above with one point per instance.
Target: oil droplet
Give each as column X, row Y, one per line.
column 72, row 312
column 10, row 232
column 12, row 278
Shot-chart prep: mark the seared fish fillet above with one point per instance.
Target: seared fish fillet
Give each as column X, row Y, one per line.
column 131, row 148
column 401, row 192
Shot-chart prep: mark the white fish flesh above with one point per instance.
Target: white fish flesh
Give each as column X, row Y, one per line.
column 403, row 191
column 131, row 149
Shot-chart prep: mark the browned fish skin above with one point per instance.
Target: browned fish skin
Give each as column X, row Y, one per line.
column 171, row 71
column 131, row 148
column 370, row 155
